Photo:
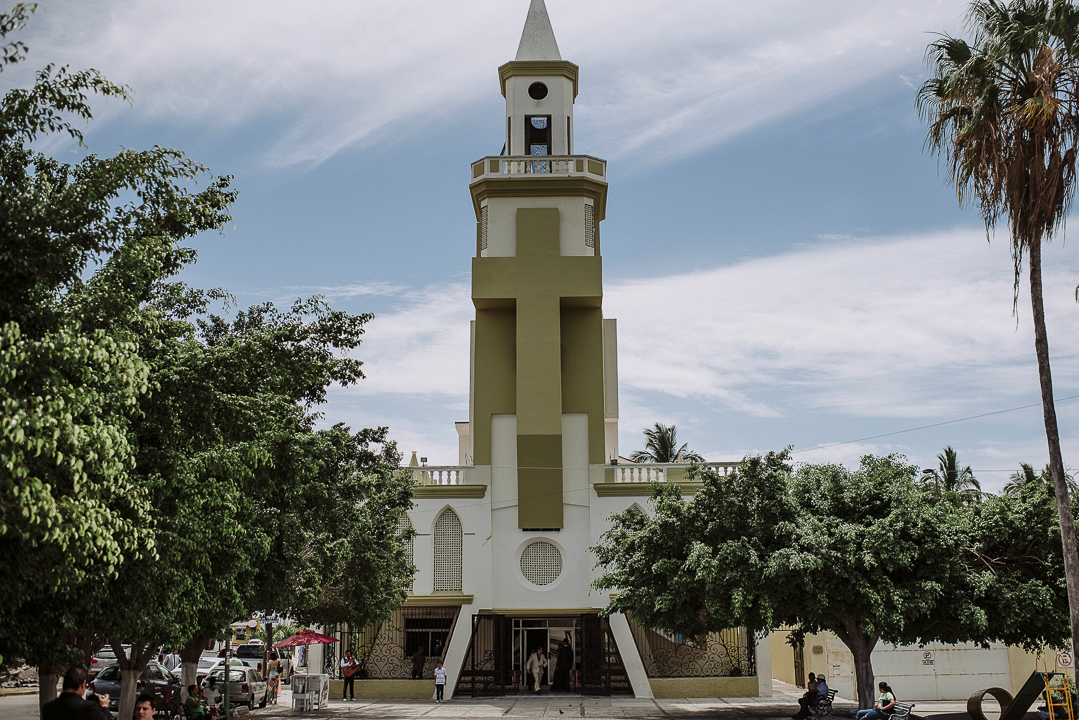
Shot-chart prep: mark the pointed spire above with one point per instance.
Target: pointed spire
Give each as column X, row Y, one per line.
column 537, row 40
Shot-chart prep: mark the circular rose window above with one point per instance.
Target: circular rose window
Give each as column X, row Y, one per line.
column 541, row 563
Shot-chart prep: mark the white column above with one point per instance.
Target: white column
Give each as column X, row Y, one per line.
column 631, row 657
column 457, row 648
column 764, row 666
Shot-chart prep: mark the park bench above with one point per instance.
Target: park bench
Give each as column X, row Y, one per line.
column 901, row 711
column 823, row 708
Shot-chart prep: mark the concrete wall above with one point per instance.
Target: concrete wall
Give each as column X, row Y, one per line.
column 948, row 672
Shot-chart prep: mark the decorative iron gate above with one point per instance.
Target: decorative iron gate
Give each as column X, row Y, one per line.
column 488, row 666
column 799, row 666
column 729, row 653
column 602, row 671
column 385, row 651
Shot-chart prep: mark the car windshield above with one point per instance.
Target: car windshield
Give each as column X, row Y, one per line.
column 109, row 673
column 106, row 654
column 234, row 676
column 249, row 651
column 205, row 664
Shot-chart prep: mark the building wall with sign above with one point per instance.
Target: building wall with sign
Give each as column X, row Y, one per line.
column 935, row 672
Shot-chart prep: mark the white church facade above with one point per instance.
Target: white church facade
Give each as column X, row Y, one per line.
column 502, row 539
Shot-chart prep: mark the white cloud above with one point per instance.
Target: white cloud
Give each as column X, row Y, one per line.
column 912, row 329
column 904, row 327
column 657, row 81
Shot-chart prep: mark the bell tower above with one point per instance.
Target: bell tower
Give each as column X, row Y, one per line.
column 539, row 87
column 543, row 403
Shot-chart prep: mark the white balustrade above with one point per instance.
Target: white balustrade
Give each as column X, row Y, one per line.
column 657, row 472
column 557, row 165
column 439, row 475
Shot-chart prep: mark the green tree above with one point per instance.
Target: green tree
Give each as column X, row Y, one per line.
column 863, row 554
column 1003, row 109
column 70, row 373
column 239, row 479
column 661, row 446
column 952, row 480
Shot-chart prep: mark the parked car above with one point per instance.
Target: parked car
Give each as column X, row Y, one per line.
column 155, row 680
column 246, row 687
column 214, row 664
column 101, row 658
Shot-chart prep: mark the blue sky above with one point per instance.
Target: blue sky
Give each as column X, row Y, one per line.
column 786, row 265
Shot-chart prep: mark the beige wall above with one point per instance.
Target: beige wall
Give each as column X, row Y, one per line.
column 954, row 672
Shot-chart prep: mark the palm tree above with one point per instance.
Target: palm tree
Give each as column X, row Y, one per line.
column 950, row 479
column 1023, row 477
column 661, row 446
column 1004, row 112
column 1026, row 475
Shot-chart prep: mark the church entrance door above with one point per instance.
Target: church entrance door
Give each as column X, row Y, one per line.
column 549, row 634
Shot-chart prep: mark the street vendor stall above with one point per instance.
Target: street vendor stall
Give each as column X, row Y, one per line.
column 309, row 691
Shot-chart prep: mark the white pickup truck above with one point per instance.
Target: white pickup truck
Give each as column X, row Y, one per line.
column 251, row 656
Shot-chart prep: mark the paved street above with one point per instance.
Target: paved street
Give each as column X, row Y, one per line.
column 779, row 707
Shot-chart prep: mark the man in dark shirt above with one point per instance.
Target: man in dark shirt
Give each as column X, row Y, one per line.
column 71, row 705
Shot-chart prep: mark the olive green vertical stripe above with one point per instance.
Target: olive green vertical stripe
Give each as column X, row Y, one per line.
column 496, row 375
column 582, row 372
column 539, row 481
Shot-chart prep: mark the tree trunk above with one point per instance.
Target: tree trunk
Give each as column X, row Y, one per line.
column 47, row 679
column 190, row 655
column 861, row 646
column 1052, row 436
column 130, row 672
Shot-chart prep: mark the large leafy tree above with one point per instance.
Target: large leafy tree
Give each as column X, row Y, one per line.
column 661, row 446
column 865, row 554
column 81, row 245
column 254, row 508
column 1003, row 110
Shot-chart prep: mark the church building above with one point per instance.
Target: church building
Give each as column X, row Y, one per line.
column 502, row 539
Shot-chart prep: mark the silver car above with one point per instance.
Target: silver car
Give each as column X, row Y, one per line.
column 246, row 687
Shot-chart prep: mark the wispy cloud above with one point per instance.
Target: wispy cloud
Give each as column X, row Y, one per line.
column 299, row 83
column 902, row 329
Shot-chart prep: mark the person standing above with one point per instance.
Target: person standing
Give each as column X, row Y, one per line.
column 537, row 663
column 563, row 667
column 70, row 705
column 418, row 661
column 440, row 681
column 274, row 668
column 348, row 672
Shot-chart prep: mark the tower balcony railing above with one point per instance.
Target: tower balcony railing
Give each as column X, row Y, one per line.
column 439, row 475
column 505, row 166
column 663, row 472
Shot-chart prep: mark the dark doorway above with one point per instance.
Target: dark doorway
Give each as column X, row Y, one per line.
column 537, row 134
column 799, row 666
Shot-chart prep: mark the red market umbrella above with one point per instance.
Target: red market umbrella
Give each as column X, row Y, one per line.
column 306, row 637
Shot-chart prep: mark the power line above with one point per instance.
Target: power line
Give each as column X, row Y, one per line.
column 933, row 425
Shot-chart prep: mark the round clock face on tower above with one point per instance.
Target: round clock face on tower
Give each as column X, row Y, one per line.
column 537, row 91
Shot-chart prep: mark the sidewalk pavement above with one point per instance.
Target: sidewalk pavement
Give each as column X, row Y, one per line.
column 779, row 707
